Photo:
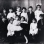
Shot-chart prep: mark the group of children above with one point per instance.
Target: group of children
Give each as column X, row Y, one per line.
column 20, row 20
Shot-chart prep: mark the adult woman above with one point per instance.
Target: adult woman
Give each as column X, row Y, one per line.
column 31, row 16
column 38, row 12
column 11, row 14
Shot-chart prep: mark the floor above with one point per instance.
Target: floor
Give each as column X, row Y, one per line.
column 21, row 39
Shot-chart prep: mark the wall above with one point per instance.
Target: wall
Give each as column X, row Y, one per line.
column 13, row 3
column 42, row 5
column 22, row 3
column 33, row 3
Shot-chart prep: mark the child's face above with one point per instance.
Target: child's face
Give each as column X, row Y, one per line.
column 33, row 21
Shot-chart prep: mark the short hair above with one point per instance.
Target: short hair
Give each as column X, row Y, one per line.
column 24, row 8
column 30, row 7
column 38, row 5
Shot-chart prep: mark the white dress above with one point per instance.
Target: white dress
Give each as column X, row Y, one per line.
column 33, row 29
column 25, row 16
column 37, row 15
column 13, row 27
column 11, row 15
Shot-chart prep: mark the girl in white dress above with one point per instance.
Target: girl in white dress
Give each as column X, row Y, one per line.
column 33, row 28
column 14, row 25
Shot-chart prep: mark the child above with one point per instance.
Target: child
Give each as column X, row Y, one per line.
column 13, row 26
column 10, row 32
column 33, row 28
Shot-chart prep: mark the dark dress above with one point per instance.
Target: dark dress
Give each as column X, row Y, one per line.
column 4, row 24
column 30, row 18
column 40, row 29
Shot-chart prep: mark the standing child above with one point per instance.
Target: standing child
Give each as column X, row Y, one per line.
column 33, row 28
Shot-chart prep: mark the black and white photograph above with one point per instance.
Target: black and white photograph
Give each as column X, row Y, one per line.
column 21, row 21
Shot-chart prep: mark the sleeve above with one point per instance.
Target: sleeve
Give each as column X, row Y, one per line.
column 8, row 16
column 30, row 26
column 26, row 18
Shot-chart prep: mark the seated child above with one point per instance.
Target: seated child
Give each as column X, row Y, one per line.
column 10, row 32
column 14, row 25
column 33, row 28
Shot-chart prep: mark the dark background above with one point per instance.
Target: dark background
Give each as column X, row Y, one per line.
column 23, row 3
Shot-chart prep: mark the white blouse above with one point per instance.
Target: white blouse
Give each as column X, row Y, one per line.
column 37, row 15
column 11, row 15
column 26, row 17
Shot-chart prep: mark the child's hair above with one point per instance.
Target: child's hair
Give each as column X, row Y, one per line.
column 11, row 9
column 34, row 20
